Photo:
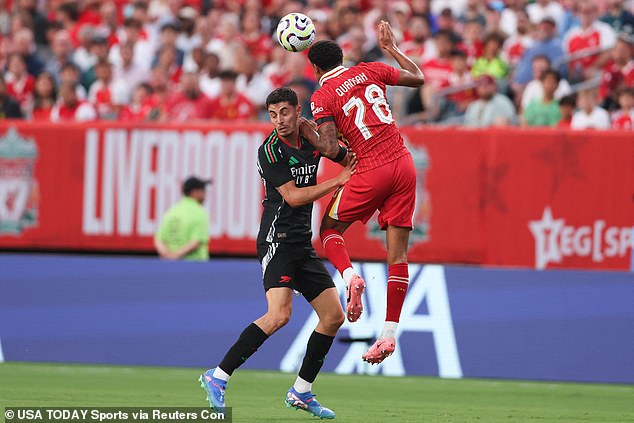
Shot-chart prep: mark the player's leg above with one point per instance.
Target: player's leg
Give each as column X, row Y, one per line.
column 357, row 200
column 396, row 217
column 278, row 270
column 335, row 249
column 317, row 287
column 214, row 380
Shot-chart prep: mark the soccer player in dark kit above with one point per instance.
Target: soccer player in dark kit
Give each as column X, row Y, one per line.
column 352, row 101
column 288, row 166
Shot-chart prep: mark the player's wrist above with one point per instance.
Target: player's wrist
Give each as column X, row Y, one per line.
column 341, row 154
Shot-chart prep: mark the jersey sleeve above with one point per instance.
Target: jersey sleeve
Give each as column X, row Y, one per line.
column 385, row 73
column 321, row 108
column 274, row 170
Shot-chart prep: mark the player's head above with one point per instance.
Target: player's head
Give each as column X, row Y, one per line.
column 284, row 109
column 325, row 55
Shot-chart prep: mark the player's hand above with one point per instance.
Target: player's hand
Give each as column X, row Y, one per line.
column 386, row 38
column 349, row 169
column 307, row 128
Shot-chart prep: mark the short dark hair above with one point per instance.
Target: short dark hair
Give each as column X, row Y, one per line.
column 326, row 55
column 281, row 95
column 228, row 74
column 553, row 73
column 626, row 91
column 69, row 66
column 569, row 100
column 458, row 53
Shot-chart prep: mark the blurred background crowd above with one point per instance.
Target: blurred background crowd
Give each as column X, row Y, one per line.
column 567, row 63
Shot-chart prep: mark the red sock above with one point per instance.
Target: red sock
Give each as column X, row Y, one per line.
column 335, row 249
column 397, row 281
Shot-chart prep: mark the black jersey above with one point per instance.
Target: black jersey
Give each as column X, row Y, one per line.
column 279, row 163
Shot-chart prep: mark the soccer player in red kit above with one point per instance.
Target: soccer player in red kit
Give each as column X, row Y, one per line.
column 352, row 101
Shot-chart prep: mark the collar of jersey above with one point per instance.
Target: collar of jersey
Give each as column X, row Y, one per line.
column 332, row 74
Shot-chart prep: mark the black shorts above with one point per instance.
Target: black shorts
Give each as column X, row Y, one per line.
column 295, row 266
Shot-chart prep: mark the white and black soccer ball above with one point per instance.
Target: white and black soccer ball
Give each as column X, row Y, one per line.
column 295, row 32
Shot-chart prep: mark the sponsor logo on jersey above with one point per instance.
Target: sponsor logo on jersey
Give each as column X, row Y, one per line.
column 314, row 109
column 555, row 240
column 19, row 197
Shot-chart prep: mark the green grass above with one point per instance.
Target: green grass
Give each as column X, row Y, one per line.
column 259, row 396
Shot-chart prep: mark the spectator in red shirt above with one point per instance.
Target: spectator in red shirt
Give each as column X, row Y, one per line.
column 258, row 43
column 142, row 107
column 419, row 42
column 591, row 36
column 167, row 63
column 70, row 108
column 437, row 70
column 105, row 94
column 518, row 42
column 189, row 103
column 624, row 117
column 230, row 104
column 472, row 43
column 618, row 72
column 567, row 106
column 44, row 97
column 19, row 83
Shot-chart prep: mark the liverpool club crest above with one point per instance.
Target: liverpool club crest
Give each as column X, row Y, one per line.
column 19, row 195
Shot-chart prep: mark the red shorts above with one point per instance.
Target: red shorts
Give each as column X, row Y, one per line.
column 390, row 189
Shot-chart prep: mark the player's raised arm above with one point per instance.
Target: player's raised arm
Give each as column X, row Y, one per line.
column 410, row 74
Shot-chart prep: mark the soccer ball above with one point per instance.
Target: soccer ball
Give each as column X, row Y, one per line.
column 295, row 32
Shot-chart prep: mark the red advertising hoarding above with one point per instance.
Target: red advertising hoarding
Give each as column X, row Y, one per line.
column 539, row 198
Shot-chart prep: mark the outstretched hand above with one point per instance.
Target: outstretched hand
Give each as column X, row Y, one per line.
column 385, row 36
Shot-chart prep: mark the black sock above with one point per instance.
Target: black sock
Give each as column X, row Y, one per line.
column 316, row 350
column 249, row 341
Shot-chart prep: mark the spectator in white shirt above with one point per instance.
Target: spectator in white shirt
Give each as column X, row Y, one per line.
column 535, row 90
column 127, row 70
column 590, row 115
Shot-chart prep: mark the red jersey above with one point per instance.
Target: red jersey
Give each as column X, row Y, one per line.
column 238, row 108
column 437, row 72
column 598, row 36
column 614, row 76
column 22, row 89
column 623, row 120
column 354, row 99
column 181, row 108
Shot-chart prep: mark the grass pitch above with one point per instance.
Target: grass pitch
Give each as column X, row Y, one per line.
column 259, row 396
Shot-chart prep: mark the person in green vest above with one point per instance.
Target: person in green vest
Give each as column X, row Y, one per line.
column 184, row 231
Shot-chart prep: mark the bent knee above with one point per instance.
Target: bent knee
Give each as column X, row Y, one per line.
column 280, row 318
column 334, row 321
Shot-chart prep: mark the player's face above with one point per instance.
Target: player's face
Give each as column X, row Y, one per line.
column 284, row 118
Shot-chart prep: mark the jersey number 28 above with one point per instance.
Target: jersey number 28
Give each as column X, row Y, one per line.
column 375, row 96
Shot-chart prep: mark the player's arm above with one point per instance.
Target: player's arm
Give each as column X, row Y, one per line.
column 186, row 249
column 410, row 74
column 324, row 139
column 296, row 197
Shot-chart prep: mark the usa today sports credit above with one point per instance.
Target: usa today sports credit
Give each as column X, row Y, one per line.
column 113, row 414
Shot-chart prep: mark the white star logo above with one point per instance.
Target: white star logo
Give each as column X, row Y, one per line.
column 546, row 232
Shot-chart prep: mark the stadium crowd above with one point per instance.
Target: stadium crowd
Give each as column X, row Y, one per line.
column 512, row 62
